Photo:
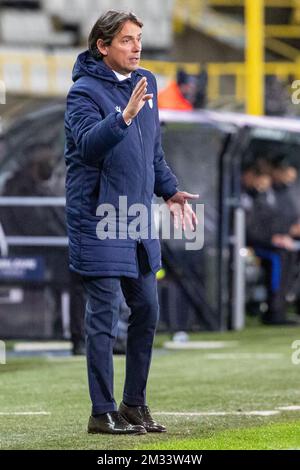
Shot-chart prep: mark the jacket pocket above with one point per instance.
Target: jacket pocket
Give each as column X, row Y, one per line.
column 103, row 178
column 116, row 184
column 91, row 188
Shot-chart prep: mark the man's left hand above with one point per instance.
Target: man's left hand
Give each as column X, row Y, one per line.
column 181, row 210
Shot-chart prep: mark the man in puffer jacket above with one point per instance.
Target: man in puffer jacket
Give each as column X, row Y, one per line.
column 113, row 149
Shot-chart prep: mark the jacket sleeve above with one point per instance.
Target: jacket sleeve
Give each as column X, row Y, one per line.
column 92, row 134
column 165, row 181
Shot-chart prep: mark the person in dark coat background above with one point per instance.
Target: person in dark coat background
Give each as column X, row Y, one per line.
column 113, row 148
column 284, row 176
column 267, row 233
column 285, row 187
column 31, row 179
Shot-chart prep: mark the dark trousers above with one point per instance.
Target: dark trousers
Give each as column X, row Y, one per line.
column 77, row 307
column 279, row 266
column 101, row 321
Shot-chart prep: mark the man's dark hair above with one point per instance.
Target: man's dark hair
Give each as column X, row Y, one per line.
column 259, row 166
column 281, row 162
column 107, row 27
column 182, row 78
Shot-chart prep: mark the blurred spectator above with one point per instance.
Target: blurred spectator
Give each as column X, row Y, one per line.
column 258, row 200
column 31, row 179
column 201, row 93
column 179, row 94
column 276, row 97
column 266, row 235
column 284, row 176
column 188, row 92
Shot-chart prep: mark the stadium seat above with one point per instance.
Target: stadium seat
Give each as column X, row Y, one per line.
column 69, row 11
column 31, row 27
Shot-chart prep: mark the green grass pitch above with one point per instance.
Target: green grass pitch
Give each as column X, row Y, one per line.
column 255, row 373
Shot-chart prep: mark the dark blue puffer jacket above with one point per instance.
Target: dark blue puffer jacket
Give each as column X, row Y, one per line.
column 106, row 159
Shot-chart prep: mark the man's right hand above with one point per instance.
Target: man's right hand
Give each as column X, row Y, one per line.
column 283, row 241
column 295, row 230
column 137, row 100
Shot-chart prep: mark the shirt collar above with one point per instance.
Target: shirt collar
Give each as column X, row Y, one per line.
column 121, row 77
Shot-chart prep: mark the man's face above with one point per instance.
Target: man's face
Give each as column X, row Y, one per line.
column 286, row 176
column 189, row 90
column 262, row 183
column 124, row 53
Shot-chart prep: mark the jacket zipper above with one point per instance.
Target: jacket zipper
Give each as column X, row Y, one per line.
column 144, row 160
column 144, row 163
column 143, row 151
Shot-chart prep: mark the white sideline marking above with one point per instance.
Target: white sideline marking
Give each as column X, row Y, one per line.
column 289, row 408
column 222, row 356
column 24, row 413
column 199, row 344
column 43, row 346
column 170, row 413
column 222, row 413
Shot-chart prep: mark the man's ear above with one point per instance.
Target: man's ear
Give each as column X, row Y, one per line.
column 101, row 47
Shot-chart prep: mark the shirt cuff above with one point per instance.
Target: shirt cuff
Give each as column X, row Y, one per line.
column 167, row 196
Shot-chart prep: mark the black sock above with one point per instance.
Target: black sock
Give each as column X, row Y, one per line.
column 130, row 406
column 100, row 414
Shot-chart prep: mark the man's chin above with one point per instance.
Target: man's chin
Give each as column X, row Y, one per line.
column 134, row 66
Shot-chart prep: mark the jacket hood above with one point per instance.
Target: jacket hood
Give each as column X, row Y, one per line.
column 87, row 65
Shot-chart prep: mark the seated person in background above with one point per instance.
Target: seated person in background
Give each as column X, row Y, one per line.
column 265, row 235
column 286, row 189
column 277, row 98
column 284, row 176
column 31, row 179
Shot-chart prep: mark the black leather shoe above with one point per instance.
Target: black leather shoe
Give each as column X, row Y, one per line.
column 140, row 415
column 112, row 423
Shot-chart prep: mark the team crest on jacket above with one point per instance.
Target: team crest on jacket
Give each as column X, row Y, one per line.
column 118, row 109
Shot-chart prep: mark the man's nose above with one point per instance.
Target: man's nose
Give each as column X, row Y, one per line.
column 137, row 46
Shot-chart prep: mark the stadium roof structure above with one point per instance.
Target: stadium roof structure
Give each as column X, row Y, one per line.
column 236, row 119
